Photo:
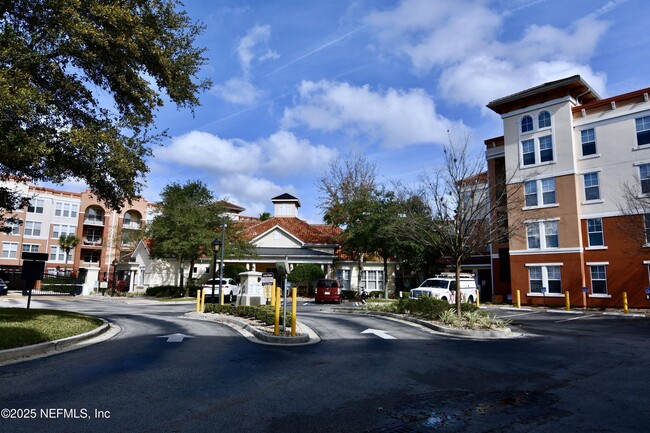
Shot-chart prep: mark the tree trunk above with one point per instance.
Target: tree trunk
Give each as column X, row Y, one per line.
column 189, row 279
column 359, row 278
column 180, row 270
column 386, row 277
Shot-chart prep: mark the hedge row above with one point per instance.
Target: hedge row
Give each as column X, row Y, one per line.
column 425, row 308
column 263, row 313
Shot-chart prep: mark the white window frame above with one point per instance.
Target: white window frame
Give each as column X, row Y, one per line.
column 597, row 186
column 542, row 231
column 598, row 267
column 344, row 277
column 15, row 229
column 644, row 178
column 10, row 250
column 537, row 151
column 539, row 120
column 37, row 205
column 546, row 271
column 595, row 232
column 63, row 229
column 541, row 189
column 373, row 284
column 32, row 228
column 57, row 254
column 29, row 248
column 642, row 127
column 66, row 210
column 521, row 124
column 588, row 140
column 93, row 254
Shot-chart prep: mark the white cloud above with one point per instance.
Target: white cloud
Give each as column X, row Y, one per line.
column 436, row 35
column 287, row 153
column 396, row 118
column 251, row 192
column 211, row 153
column 237, row 91
column 249, row 48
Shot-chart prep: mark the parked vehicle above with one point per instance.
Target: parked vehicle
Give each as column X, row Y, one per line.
column 328, row 290
column 230, row 289
column 3, row 288
column 443, row 286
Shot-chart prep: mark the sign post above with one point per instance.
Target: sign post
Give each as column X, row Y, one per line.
column 267, row 283
column 585, row 290
column 33, row 270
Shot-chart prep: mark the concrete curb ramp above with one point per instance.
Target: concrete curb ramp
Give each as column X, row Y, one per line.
column 52, row 347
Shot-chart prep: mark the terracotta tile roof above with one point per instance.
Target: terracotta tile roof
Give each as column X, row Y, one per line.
column 307, row 233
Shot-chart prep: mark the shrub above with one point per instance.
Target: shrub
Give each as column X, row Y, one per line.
column 348, row 294
column 263, row 313
column 164, row 292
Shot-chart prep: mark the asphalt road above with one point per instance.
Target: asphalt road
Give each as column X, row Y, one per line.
column 585, row 374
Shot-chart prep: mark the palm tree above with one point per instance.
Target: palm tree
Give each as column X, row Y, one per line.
column 67, row 242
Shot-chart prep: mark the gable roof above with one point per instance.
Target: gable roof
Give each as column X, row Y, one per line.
column 302, row 230
column 286, row 197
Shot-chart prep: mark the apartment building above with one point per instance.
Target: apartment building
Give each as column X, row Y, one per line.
column 569, row 155
column 104, row 235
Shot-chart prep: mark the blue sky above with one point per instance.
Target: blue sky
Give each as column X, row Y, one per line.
column 298, row 83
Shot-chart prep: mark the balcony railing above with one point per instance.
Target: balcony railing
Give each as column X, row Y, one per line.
column 99, row 221
column 93, row 242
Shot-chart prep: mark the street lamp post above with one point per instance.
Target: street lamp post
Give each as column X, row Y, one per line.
column 216, row 246
column 223, row 248
column 115, row 262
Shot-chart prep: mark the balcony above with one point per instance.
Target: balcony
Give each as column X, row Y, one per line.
column 94, row 221
column 92, row 242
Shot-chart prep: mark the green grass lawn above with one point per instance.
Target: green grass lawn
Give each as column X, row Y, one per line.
column 21, row 327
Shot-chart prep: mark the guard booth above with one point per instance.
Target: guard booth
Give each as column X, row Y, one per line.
column 252, row 291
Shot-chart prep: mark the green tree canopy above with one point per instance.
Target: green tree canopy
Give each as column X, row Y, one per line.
column 304, row 274
column 189, row 219
column 80, row 82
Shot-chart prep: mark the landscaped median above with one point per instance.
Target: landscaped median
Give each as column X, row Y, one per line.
column 25, row 332
column 440, row 316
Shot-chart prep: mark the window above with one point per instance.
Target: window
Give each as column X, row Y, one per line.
column 592, row 191
column 526, row 124
column 373, row 280
column 646, row 222
column 35, row 206
column 30, row 248
column 62, row 229
column 9, row 250
column 532, row 233
column 643, row 130
column 644, row 177
column 57, row 254
column 544, row 120
column 67, row 210
column 530, row 189
column 528, row 152
column 595, row 232
column 91, row 257
column 534, row 187
column 546, row 148
column 545, row 276
column 12, row 229
column 588, row 142
column 32, row 228
column 598, row 280
column 542, row 234
column 343, row 275
column 94, row 235
column 94, row 215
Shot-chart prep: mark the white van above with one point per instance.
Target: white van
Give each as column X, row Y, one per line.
column 443, row 286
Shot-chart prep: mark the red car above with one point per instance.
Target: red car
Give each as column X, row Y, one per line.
column 328, row 291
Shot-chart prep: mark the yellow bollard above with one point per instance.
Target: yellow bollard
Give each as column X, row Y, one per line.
column 198, row 300
column 294, row 301
column 567, row 300
column 625, row 310
column 276, row 327
column 478, row 296
column 203, row 302
column 518, row 299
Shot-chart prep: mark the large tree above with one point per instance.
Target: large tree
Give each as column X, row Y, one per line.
column 456, row 211
column 189, row 219
column 80, row 82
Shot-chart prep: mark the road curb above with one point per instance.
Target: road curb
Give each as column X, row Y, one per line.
column 308, row 337
column 51, row 347
column 492, row 334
